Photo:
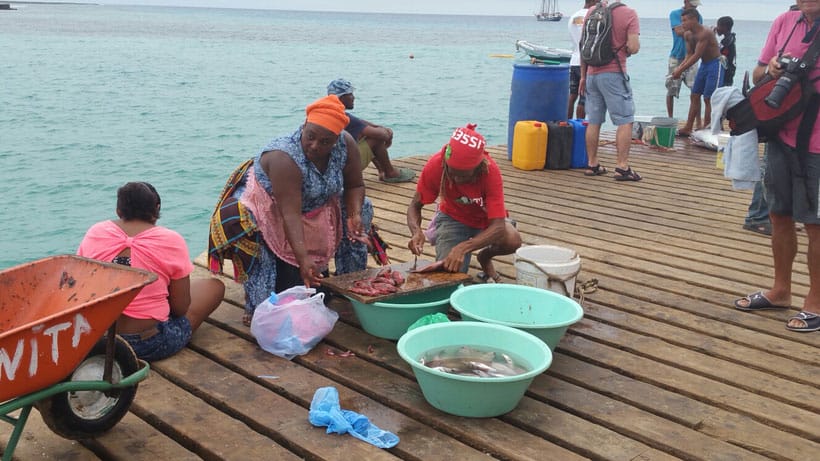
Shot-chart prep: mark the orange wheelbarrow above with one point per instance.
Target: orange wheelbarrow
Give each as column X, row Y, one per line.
column 55, row 354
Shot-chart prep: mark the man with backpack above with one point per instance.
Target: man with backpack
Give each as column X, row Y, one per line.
column 792, row 177
column 610, row 36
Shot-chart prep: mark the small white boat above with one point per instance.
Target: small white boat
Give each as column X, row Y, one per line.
column 543, row 53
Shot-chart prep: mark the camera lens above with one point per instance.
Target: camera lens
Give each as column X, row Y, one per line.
column 780, row 90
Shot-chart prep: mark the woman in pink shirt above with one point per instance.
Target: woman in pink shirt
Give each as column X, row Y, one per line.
column 160, row 320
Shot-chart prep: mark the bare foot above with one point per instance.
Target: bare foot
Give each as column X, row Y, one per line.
column 398, row 175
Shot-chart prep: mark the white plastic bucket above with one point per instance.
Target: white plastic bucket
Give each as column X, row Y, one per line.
column 548, row 267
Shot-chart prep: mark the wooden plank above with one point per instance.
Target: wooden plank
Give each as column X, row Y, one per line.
column 38, row 442
column 414, row 282
column 251, row 401
column 133, row 438
column 786, row 417
column 635, row 423
column 204, row 429
column 542, row 420
column 801, row 372
column 739, row 430
column 418, row 439
column 664, row 435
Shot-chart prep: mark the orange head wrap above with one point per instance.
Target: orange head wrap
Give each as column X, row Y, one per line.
column 328, row 112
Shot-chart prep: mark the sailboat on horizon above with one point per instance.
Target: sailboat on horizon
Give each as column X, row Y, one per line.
column 549, row 11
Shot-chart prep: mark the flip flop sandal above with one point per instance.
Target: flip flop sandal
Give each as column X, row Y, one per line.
column 405, row 175
column 762, row 228
column 756, row 302
column 810, row 321
column 596, row 170
column 487, row 279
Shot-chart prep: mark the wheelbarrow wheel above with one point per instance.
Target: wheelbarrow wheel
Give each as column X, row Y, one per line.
column 86, row 414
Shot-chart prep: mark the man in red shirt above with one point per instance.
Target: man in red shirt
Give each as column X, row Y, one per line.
column 471, row 214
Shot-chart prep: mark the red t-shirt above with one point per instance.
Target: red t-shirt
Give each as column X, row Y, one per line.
column 473, row 204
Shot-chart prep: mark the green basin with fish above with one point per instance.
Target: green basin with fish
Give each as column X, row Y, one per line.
column 474, row 396
column 390, row 319
column 544, row 313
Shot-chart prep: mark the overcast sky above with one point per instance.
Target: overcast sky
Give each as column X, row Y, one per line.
column 739, row 9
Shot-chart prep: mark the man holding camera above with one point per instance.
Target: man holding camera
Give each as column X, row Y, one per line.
column 792, row 178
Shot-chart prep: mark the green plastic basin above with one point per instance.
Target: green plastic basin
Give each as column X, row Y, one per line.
column 474, row 396
column 390, row 319
column 544, row 313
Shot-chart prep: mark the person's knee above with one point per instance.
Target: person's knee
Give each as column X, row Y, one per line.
column 211, row 289
column 515, row 240
column 219, row 288
column 378, row 146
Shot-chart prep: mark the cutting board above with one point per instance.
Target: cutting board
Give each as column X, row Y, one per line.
column 414, row 283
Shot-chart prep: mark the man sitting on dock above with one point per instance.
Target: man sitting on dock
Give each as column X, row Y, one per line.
column 374, row 140
column 472, row 215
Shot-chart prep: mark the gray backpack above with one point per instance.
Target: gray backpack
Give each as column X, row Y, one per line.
column 596, row 38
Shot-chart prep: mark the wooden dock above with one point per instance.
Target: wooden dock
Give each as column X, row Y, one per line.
column 661, row 367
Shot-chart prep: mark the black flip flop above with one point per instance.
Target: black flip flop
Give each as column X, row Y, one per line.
column 756, row 302
column 762, row 228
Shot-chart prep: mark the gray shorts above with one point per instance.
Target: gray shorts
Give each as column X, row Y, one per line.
column 792, row 183
column 450, row 233
column 610, row 92
column 687, row 77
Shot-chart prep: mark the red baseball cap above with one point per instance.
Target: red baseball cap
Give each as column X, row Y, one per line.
column 465, row 150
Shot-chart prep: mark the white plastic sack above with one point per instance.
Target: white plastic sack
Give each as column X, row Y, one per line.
column 292, row 322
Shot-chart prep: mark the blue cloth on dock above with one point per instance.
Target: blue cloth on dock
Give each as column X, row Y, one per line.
column 325, row 411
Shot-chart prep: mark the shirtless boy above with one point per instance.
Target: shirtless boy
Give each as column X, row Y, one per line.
column 709, row 76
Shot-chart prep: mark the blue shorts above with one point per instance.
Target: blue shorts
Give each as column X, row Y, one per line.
column 792, row 183
column 172, row 335
column 450, row 233
column 609, row 91
column 709, row 78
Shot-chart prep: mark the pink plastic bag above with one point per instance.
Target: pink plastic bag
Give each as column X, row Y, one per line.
column 292, row 322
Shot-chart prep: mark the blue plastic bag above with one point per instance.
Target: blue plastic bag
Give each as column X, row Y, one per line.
column 325, row 411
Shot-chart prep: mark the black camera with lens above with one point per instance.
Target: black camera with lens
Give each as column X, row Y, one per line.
column 793, row 70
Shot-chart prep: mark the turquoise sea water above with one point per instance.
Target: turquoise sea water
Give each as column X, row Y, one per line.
column 95, row 96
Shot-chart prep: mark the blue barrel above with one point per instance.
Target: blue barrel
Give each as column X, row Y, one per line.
column 579, row 143
column 539, row 92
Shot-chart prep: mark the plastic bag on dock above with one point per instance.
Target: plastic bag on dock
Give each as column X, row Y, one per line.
column 292, row 322
column 429, row 319
column 325, row 411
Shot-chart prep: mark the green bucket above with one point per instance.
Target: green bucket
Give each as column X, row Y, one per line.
column 544, row 313
column 474, row 396
column 390, row 320
column 665, row 129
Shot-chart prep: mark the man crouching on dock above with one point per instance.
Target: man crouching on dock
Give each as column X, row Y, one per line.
column 471, row 214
